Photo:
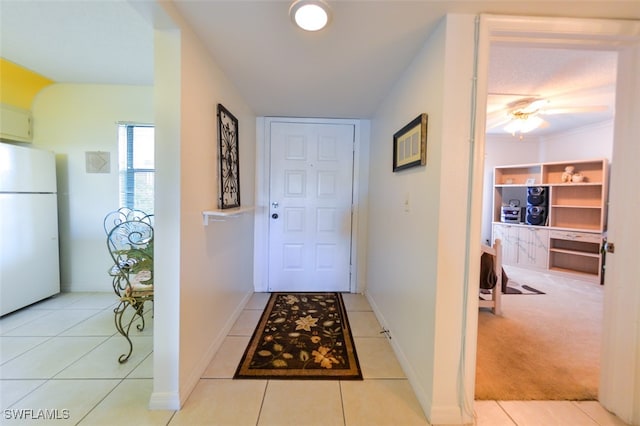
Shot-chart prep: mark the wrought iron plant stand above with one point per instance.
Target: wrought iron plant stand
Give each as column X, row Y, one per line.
column 130, row 243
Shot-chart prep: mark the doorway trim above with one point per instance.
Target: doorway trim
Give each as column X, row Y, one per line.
column 261, row 218
column 592, row 34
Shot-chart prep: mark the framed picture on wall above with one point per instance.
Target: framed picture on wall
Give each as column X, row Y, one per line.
column 410, row 144
column 229, row 168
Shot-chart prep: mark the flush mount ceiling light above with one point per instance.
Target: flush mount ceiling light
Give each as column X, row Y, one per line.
column 310, row 15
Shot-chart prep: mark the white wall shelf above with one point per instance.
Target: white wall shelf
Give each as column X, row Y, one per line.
column 219, row 215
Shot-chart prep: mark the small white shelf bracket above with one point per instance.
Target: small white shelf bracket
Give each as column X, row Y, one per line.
column 219, row 215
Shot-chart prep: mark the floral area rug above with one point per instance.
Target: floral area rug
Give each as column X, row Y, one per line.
column 301, row 336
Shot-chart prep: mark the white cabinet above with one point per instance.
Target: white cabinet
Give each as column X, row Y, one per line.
column 15, row 124
column 533, row 247
column 508, row 234
column 524, row 246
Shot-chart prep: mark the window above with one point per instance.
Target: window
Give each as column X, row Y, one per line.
column 137, row 166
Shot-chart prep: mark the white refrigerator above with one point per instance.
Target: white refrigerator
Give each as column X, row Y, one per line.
column 29, row 256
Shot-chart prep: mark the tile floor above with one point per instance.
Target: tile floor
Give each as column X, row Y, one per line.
column 60, row 355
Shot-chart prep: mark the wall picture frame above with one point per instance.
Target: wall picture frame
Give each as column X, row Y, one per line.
column 229, row 157
column 410, row 144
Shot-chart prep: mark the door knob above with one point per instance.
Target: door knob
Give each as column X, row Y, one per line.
column 274, row 216
column 275, row 204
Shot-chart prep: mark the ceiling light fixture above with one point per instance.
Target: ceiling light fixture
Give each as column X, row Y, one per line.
column 310, row 15
column 522, row 122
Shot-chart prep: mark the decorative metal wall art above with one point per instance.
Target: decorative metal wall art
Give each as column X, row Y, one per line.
column 229, row 159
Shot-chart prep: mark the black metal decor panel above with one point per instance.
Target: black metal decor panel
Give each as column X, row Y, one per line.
column 229, row 159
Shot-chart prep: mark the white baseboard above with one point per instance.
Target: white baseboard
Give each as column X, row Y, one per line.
column 164, row 401
column 440, row 415
column 205, row 360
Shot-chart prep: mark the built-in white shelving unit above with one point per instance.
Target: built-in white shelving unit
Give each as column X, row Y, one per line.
column 570, row 239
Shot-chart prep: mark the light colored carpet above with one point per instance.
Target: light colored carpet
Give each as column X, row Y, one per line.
column 543, row 347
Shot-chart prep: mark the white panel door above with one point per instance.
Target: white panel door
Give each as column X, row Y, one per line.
column 311, row 181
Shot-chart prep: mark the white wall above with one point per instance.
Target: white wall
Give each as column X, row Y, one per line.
column 585, row 143
column 416, row 258
column 71, row 119
column 216, row 274
column 166, row 305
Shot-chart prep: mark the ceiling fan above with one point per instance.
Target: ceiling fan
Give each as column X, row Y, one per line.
column 525, row 113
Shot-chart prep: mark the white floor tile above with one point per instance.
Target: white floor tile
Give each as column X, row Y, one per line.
column 226, row 360
column 127, row 405
column 14, row 390
column 11, row 347
column 58, row 301
column 54, row 323
column 49, row 358
column 597, row 412
column 19, row 318
column 355, row 302
column 71, row 400
column 302, row 402
column 377, row 359
column 222, row 402
column 102, row 300
column 381, row 403
column 246, row 323
column 364, row 324
column 144, row 370
column 100, row 324
column 102, row 362
column 536, row 413
column 258, row 301
column 489, row 413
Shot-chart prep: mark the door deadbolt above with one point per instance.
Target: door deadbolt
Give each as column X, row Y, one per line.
column 274, row 216
column 609, row 247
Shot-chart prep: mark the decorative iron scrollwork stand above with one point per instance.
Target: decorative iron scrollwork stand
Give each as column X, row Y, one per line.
column 130, row 244
column 137, row 304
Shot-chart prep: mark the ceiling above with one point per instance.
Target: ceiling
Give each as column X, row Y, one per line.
column 78, row 41
column 570, row 80
column 342, row 71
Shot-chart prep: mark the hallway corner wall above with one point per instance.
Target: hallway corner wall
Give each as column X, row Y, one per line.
column 418, row 219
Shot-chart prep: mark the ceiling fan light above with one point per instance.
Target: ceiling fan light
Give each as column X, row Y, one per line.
column 310, row 15
column 523, row 125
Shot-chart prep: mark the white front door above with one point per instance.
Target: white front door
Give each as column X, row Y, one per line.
column 310, row 199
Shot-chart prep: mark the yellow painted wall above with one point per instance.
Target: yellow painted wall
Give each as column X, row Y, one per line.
column 18, row 85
